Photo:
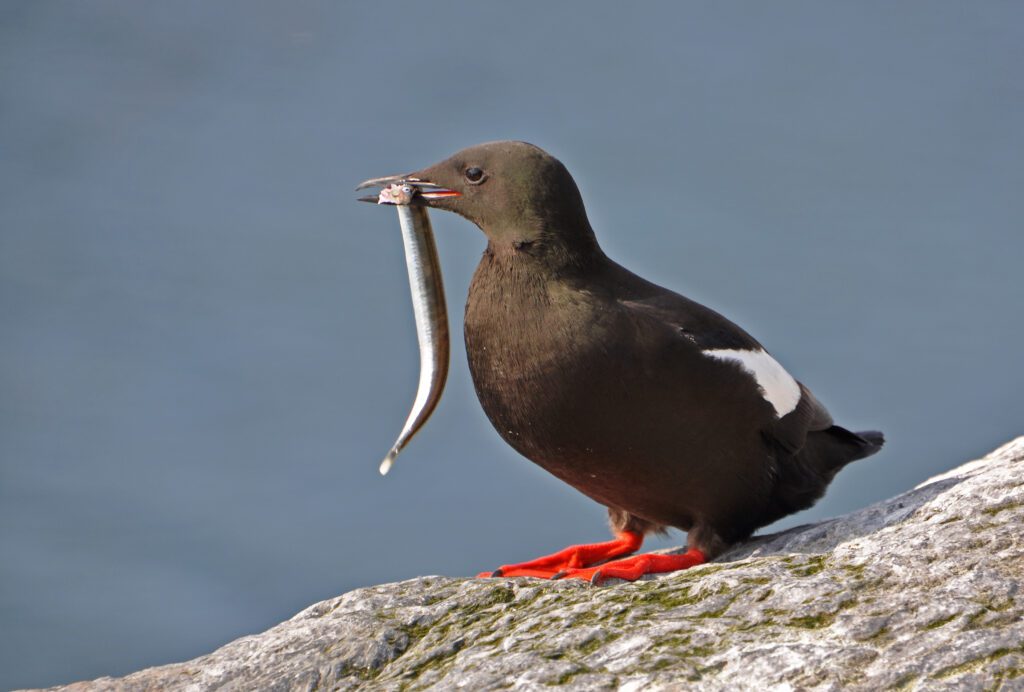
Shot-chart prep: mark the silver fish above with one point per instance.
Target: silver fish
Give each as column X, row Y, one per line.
column 429, row 308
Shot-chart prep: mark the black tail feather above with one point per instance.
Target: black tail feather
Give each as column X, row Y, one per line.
column 831, row 449
column 874, row 439
column 802, row 478
column 870, row 441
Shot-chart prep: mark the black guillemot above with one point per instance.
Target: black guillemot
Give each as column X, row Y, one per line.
column 653, row 405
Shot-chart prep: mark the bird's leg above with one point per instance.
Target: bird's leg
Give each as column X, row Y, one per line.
column 635, row 566
column 572, row 558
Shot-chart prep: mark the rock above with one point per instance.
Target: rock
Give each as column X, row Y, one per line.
column 922, row 591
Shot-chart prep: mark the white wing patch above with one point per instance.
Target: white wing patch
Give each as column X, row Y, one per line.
column 777, row 386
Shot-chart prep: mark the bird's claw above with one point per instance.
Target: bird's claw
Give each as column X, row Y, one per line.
column 588, row 574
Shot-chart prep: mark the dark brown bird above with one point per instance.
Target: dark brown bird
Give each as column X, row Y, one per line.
column 655, row 406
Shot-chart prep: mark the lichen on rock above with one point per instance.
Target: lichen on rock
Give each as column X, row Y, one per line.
column 922, row 591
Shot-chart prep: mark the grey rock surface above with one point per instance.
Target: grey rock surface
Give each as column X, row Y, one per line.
column 922, row 591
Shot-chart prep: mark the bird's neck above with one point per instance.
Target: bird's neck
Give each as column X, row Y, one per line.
column 546, row 247
column 521, row 294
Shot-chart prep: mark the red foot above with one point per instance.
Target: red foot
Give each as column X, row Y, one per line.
column 571, row 558
column 632, row 568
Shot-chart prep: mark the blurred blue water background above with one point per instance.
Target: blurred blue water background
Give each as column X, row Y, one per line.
column 207, row 345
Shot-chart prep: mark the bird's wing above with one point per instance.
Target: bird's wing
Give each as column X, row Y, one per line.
column 701, row 325
column 710, row 331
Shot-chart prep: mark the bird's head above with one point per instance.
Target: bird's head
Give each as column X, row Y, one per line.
column 517, row 193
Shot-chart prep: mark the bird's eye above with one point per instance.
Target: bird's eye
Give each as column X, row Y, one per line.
column 474, row 175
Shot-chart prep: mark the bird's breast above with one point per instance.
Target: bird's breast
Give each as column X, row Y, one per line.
column 562, row 374
column 534, row 348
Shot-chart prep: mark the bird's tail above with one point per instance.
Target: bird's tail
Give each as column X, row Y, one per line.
column 833, row 448
column 803, row 479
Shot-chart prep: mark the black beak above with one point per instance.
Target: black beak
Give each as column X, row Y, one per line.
column 423, row 190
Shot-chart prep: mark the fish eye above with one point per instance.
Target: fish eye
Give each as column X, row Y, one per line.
column 475, row 175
